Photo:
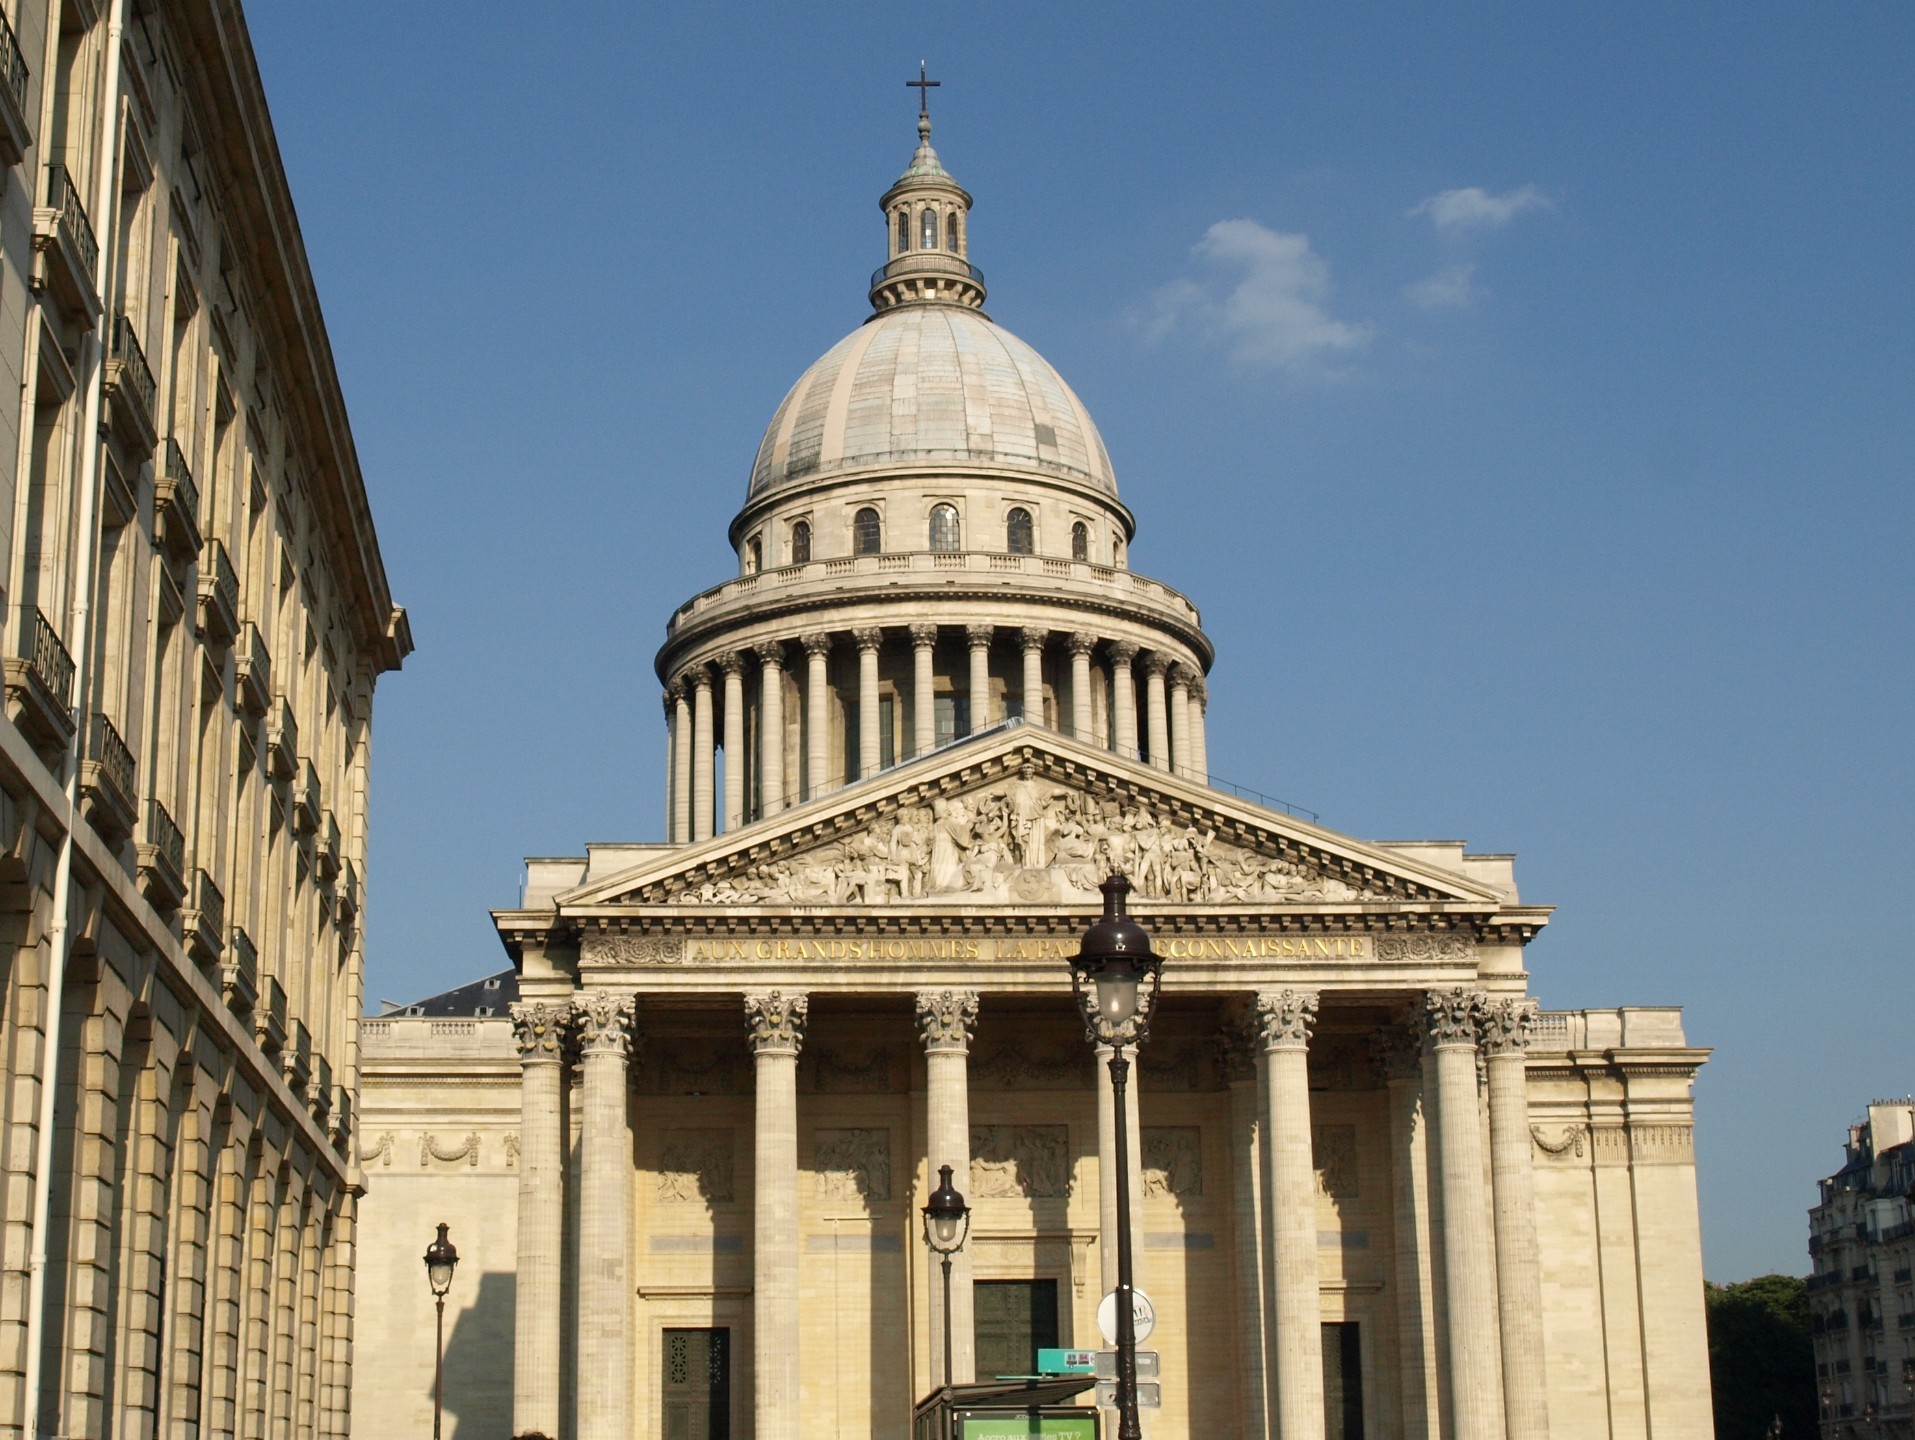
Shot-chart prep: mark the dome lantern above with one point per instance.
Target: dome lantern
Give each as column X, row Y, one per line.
column 927, row 219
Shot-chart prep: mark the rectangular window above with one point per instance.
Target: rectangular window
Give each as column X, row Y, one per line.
column 1015, row 1319
column 697, row 1385
column 1342, row 1382
column 953, row 717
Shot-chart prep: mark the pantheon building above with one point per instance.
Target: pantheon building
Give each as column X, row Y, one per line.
column 682, row 1142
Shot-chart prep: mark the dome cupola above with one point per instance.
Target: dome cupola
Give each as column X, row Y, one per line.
column 927, row 219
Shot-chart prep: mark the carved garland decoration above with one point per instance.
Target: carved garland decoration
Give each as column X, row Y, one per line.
column 1570, row 1139
column 430, row 1150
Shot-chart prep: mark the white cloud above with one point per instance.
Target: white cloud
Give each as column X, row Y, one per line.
column 1451, row 288
column 1474, row 208
column 1262, row 293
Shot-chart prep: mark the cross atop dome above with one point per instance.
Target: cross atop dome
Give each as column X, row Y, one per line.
column 926, row 226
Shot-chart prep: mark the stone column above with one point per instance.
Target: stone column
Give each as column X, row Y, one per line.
column 540, row 1032
column 1199, row 751
column 701, row 754
column 1107, row 1168
column 924, row 700
column 771, row 724
column 1081, row 643
column 1475, row 1401
column 775, row 1022
column 979, row 637
column 681, row 759
column 1155, row 664
column 604, row 1346
column 1237, row 1047
column 869, row 752
column 1180, row 720
column 1399, row 1055
column 733, row 666
column 671, row 761
column 1285, row 1019
column 946, row 1019
column 1123, row 699
column 1033, row 697
column 817, row 720
column 1506, row 1028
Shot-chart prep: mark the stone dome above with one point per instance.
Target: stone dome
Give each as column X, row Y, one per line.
column 930, row 384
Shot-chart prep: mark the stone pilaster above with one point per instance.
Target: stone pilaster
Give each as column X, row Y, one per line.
column 924, row 704
column 681, row 760
column 702, row 798
column 978, row 637
column 1123, row 698
column 1285, row 1019
column 771, row 725
column 1506, row 1028
column 1238, row 1050
column 946, row 1021
column 1399, row 1054
column 775, row 1024
column 817, row 716
column 1081, row 643
column 604, row 1344
column 736, row 765
column 870, row 751
column 1156, row 709
column 540, row 1030
column 1475, row 1398
column 1034, row 639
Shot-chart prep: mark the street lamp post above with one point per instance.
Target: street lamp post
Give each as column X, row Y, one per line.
column 947, row 1221
column 441, row 1260
column 1115, row 977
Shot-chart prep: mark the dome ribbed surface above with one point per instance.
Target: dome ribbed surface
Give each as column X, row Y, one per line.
column 928, row 383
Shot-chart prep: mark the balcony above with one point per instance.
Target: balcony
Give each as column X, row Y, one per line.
column 203, row 919
column 109, row 783
column 269, row 1016
column 326, row 847
column 176, row 506
column 319, row 1088
column 15, row 134
column 162, row 859
column 346, row 901
column 239, row 973
column 925, row 275
column 282, row 739
column 40, row 684
column 65, row 252
column 296, row 1056
column 306, row 797
column 218, row 596
column 130, row 389
column 254, row 667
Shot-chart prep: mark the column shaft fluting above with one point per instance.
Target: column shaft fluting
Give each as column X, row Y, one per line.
column 1156, row 711
column 1179, row 722
column 1107, row 1168
column 946, row 1020
column 1519, row 1284
column 1286, row 1018
column 979, row 637
column 870, row 753
column 775, row 1022
column 1123, row 697
column 924, row 702
column 1475, row 1399
column 1081, row 645
column 771, row 726
column 540, row 1032
column 605, row 1220
column 681, row 764
column 1033, row 694
column 1239, row 1047
column 817, row 717
column 1399, row 1051
column 736, row 765
column 701, row 755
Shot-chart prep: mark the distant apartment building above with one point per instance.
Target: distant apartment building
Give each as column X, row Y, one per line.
column 1862, row 1294
column 195, row 616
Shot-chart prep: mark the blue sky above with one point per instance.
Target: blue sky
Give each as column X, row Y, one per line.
column 1523, row 391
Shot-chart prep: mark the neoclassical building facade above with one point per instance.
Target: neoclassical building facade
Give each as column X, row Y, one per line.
column 683, row 1140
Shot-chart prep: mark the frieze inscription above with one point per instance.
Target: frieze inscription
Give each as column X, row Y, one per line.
column 908, row 948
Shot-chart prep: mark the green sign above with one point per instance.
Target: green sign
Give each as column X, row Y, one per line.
column 1022, row 1427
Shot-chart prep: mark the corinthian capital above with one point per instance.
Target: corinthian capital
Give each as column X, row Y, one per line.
column 771, row 653
column 775, row 1021
column 1122, row 652
column 869, row 637
column 604, row 1023
column 539, row 1029
column 816, row 643
column 1285, row 1018
column 1507, row 1025
column 732, row 662
column 1080, row 642
column 946, row 1019
column 1156, row 663
column 924, row 635
column 1451, row 1015
column 980, row 636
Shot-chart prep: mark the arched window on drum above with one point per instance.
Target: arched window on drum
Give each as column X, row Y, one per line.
column 1020, row 535
column 1080, row 541
column 867, row 532
column 904, row 231
column 928, row 230
column 951, row 232
column 945, row 533
column 801, row 543
column 754, row 556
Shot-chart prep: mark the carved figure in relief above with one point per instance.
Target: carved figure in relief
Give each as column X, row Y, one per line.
column 695, row 1165
column 1027, row 1162
column 853, row 1164
column 1335, row 1147
column 1173, row 1160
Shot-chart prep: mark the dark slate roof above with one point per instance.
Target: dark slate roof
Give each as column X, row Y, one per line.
column 480, row 1000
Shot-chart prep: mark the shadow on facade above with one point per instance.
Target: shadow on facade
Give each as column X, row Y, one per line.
column 478, row 1363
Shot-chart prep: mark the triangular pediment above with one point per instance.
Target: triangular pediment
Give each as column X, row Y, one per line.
column 1025, row 817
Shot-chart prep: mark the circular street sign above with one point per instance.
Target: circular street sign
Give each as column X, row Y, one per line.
column 1143, row 1316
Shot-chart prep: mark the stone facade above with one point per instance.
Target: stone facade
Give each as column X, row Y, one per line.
column 1376, row 1191
column 194, row 617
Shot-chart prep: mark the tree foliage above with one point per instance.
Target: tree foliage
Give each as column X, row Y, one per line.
column 1760, row 1358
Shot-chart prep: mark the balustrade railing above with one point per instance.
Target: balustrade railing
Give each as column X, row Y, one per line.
column 925, row 262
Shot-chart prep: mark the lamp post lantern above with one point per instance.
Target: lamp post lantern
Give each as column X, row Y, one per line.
column 947, row 1221
column 442, row 1258
column 1115, row 977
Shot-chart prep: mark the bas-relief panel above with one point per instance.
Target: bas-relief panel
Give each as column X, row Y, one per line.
column 849, row 1067
column 1335, row 1157
column 852, row 1164
column 1173, row 1161
column 697, row 1166
column 1031, row 1062
column 1020, row 1162
column 693, row 1065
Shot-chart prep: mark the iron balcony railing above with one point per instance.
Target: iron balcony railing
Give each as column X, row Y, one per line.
column 209, row 902
column 136, row 374
column 107, row 750
column 48, row 658
column 925, row 262
column 219, row 588
column 63, row 197
column 13, row 65
column 164, row 836
column 243, row 956
column 181, row 474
